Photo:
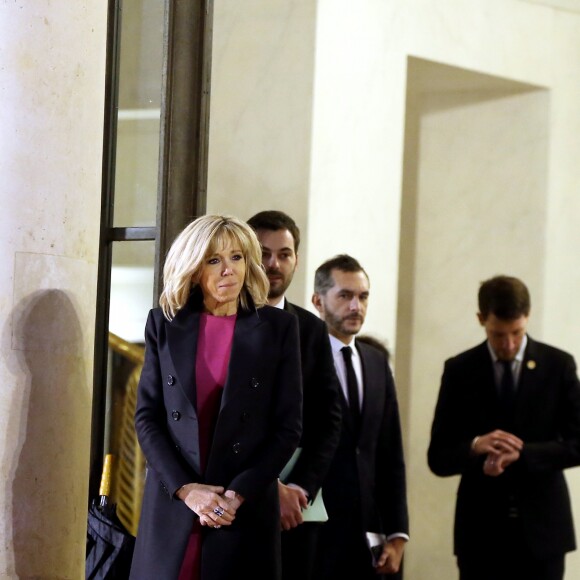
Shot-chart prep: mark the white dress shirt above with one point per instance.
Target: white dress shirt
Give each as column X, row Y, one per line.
column 516, row 363
column 337, row 345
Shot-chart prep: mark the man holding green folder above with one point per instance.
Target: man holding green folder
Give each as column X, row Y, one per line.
column 302, row 510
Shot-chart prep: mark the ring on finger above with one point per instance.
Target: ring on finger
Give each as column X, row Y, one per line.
column 218, row 511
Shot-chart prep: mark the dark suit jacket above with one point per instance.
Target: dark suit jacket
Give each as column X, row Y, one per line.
column 365, row 489
column 321, row 405
column 257, row 430
column 547, row 419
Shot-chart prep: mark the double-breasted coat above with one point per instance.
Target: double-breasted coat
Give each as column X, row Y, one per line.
column 257, row 430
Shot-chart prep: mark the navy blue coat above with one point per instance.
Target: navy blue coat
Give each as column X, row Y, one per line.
column 257, row 430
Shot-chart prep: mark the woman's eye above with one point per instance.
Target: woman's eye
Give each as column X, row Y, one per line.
column 237, row 257
column 213, row 261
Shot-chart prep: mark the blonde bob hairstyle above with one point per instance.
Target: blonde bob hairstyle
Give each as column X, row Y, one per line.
column 194, row 245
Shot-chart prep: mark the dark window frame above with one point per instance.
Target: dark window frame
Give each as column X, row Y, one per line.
column 182, row 177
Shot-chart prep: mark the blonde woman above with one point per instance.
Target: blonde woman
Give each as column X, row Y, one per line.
column 218, row 411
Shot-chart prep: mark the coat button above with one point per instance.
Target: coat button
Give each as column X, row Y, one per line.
column 254, row 382
column 170, row 380
column 236, row 448
column 176, row 415
column 244, row 417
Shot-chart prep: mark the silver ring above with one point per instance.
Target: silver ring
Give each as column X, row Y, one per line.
column 218, row 511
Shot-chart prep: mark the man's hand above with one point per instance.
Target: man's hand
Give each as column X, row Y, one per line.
column 496, row 463
column 292, row 500
column 497, row 442
column 390, row 560
column 206, row 501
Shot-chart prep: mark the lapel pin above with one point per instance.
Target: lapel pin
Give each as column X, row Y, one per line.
column 531, row 364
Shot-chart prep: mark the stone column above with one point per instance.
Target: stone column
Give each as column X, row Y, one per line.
column 52, row 81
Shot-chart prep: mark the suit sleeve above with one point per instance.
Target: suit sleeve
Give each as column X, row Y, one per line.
column 286, row 421
column 391, row 479
column 563, row 449
column 151, row 416
column 322, row 417
column 451, row 432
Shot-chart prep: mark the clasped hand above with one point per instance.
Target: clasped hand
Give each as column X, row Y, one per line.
column 502, row 449
column 215, row 506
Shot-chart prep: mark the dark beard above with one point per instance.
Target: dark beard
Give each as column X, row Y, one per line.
column 280, row 290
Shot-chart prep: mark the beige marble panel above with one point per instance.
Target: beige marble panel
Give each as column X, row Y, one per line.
column 46, row 409
column 261, row 104
column 52, row 83
column 53, row 282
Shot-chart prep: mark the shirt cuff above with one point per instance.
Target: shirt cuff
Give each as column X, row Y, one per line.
column 398, row 535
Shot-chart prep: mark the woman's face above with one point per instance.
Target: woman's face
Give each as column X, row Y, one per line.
column 222, row 276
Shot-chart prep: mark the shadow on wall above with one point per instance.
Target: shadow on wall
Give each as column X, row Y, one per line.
column 47, row 435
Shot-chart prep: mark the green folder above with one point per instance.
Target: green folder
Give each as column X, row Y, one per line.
column 315, row 512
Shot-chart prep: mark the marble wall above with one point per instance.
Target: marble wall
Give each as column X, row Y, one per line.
column 52, row 66
column 440, row 147
column 261, row 107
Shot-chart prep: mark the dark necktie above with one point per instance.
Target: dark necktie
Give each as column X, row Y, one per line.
column 352, row 388
column 507, row 394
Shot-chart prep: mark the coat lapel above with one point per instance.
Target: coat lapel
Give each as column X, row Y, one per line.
column 530, row 378
column 245, row 349
column 486, row 372
column 370, row 396
column 182, row 334
column 485, row 390
column 373, row 398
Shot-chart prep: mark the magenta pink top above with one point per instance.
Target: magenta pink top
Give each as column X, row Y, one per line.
column 214, row 346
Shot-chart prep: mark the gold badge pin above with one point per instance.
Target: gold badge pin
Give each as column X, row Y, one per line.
column 531, row 364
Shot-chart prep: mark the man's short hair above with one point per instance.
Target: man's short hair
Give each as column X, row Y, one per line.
column 504, row 296
column 323, row 280
column 275, row 220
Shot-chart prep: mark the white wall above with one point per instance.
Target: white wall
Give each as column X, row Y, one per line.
column 261, row 106
column 358, row 176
